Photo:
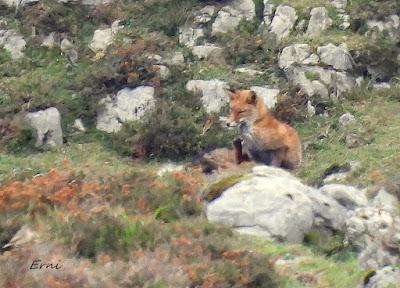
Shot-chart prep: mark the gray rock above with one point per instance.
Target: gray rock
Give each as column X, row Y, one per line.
column 339, row 4
column 213, row 93
column 49, row 41
column 128, row 105
column 47, row 126
column 227, row 20
column 319, row 22
column 269, row 10
column 347, row 196
column 377, row 234
column 391, row 25
column 296, row 54
column 385, row 277
column 177, row 59
column 283, row 22
column 386, row 201
column 188, row 36
column 269, row 95
column 249, row 71
column 78, row 125
column 68, row 48
column 13, row 42
column 297, row 75
column 204, row 16
column 336, row 56
column 382, row 86
column 346, row 119
column 264, row 205
column 102, row 38
column 208, row 51
column 246, row 8
column 16, row 3
column 162, row 71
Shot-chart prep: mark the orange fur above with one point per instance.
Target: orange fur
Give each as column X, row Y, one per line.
column 264, row 138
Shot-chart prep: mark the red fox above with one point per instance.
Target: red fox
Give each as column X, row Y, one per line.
column 264, row 138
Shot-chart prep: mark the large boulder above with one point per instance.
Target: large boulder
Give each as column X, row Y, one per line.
column 269, row 95
column 376, row 233
column 348, row 196
column 127, row 105
column 213, row 93
column 283, row 22
column 268, row 14
column 13, row 42
column 297, row 54
column 336, row 56
column 319, row 22
column 274, row 204
column 47, row 125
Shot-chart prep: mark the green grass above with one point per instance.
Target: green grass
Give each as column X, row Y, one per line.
column 377, row 119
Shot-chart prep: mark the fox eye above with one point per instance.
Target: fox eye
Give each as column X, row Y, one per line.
column 241, row 111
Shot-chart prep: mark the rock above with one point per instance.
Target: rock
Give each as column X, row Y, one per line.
column 268, row 13
column 301, row 26
column 352, row 140
column 249, row 71
column 337, row 173
column 177, row 59
column 49, row 41
column 264, row 205
column 377, row 234
column 388, row 276
column 188, row 36
column 391, row 25
column 208, row 51
column 227, row 20
column 319, row 22
column 13, row 42
column 382, row 86
column 103, row 38
column 205, row 15
column 24, row 236
column 213, row 93
column 269, row 95
column 128, row 105
column 168, row 168
column 339, row 4
column 297, row 75
column 310, row 109
column 162, row 71
column 296, row 54
column 78, row 125
column 274, row 204
column 347, row 196
column 16, row 3
column 336, row 56
column 346, row 119
column 345, row 21
column 283, row 21
column 386, row 201
column 68, row 48
column 47, row 126
column 246, row 8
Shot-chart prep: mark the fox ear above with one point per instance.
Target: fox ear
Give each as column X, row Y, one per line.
column 252, row 98
column 231, row 93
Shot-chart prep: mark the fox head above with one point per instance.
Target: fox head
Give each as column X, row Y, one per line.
column 245, row 106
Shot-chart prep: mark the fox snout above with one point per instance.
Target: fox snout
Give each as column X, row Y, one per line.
column 231, row 123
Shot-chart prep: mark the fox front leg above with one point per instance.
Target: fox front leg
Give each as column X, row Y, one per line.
column 239, row 156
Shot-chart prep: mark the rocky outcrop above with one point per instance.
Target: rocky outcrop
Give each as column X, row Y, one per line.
column 103, row 38
column 301, row 67
column 47, row 125
column 69, row 49
column 376, row 233
column 274, row 204
column 319, row 22
column 336, row 56
column 390, row 25
column 229, row 16
column 268, row 12
column 213, row 93
column 127, row 105
column 188, row 36
column 283, row 22
column 208, row 51
column 13, row 42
